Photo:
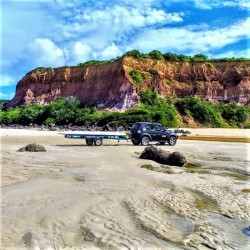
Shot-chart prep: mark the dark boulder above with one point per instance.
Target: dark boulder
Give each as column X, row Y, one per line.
column 163, row 157
column 33, row 148
column 155, row 154
column 177, row 159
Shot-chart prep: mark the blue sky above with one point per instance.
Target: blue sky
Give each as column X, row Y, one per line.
column 53, row 33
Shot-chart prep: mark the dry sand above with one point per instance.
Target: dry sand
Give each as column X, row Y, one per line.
column 83, row 197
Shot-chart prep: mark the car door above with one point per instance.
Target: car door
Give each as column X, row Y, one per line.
column 164, row 134
column 156, row 132
column 153, row 133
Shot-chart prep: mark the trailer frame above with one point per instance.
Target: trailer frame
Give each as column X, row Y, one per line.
column 96, row 139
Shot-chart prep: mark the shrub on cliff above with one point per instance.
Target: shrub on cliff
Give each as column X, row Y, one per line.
column 136, row 54
column 199, row 58
column 42, row 69
column 161, row 110
column 171, row 56
column 233, row 114
column 149, row 97
column 200, row 110
column 91, row 62
column 156, row 54
column 138, row 77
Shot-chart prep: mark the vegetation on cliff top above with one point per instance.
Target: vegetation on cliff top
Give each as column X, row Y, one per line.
column 152, row 108
column 168, row 56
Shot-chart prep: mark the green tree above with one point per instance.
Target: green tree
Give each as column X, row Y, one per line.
column 184, row 58
column 137, row 54
column 171, row 56
column 199, row 58
column 156, row 54
column 30, row 113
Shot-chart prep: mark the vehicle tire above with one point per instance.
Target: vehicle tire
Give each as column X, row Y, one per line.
column 89, row 142
column 98, row 142
column 162, row 142
column 135, row 142
column 145, row 140
column 172, row 140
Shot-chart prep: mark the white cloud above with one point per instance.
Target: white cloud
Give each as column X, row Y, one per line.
column 203, row 4
column 80, row 52
column 111, row 51
column 43, row 52
column 6, row 80
column 101, row 27
column 209, row 4
column 193, row 40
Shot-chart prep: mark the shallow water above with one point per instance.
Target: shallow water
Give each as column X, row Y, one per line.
column 237, row 231
column 182, row 224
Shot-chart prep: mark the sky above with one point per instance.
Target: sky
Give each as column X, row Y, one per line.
column 54, row 33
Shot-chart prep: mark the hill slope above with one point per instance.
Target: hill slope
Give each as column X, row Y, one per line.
column 116, row 85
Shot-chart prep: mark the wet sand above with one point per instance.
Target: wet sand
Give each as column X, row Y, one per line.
column 83, row 197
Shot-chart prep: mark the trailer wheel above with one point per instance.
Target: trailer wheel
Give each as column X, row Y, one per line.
column 89, row 142
column 98, row 142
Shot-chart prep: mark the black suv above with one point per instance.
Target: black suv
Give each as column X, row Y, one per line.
column 144, row 132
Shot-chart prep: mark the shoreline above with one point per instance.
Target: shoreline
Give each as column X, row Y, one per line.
column 197, row 134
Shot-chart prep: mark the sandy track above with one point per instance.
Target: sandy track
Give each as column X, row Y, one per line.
column 80, row 197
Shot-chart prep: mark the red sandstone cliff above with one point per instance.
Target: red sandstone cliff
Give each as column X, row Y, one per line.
column 110, row 85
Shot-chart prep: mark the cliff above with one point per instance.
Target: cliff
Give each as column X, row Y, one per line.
column 111, row 85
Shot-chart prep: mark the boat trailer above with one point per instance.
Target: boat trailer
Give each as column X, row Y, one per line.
column 95, row 137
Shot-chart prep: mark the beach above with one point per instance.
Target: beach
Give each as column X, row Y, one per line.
column 76, row 196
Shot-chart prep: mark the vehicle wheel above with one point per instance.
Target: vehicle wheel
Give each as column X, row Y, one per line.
column 89, row 142
column 162, row 142
column 172, row 140
column 98, row 142
column 135, row 142
column 145, row 140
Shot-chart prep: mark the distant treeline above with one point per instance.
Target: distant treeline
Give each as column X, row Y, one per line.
column 152, row 108
column 156, row 54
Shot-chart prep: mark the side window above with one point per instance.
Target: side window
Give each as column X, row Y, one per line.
column 147, row 127
column 152, row 127
column 162, row 128
column 157, row 128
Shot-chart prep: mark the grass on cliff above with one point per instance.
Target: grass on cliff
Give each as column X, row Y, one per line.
column 152, row 108
column 137, row 77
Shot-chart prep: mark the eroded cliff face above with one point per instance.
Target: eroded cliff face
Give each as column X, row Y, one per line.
column 111, row 86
